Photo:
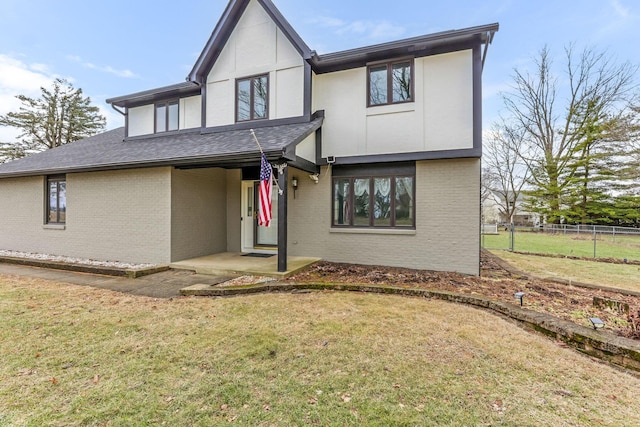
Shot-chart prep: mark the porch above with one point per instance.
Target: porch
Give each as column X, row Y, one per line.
column 227, row 263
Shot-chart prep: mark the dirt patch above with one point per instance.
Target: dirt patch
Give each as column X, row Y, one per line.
column 565, row 301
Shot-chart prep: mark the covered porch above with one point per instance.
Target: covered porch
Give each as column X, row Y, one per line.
column 236, row 263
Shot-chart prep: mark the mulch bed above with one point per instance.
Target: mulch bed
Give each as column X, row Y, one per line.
column 568, row 302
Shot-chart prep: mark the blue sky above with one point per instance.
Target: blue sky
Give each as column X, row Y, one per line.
column 115, row 47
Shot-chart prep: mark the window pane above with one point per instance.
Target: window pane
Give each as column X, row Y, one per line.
column 361, row 192
column 378, row 85
column 62, row 201
column 53, row 202
column 404, row 202
column 260, row 95
column 173, row 117
column 244, row 100
column 161, row 118
column 382, row 200
column 341, row 202
column 401, row 84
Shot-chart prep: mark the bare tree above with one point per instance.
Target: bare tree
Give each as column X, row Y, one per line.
column 555, row 115
column 507, row 173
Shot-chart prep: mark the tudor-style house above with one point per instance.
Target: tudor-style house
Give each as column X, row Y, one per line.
column 376, row 151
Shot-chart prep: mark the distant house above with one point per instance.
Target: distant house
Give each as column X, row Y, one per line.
column 494, row 211
column 376, row 149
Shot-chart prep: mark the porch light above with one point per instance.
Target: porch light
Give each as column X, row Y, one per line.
column 294, row 184
column 520, row 296
column 596, row 322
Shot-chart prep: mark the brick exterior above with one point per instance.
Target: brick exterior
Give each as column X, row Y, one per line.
column 447, row 235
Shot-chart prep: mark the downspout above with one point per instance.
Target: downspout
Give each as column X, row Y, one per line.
column 126, row 120
column 490, row 35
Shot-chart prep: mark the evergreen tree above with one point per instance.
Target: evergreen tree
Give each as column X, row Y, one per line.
column 61, row 115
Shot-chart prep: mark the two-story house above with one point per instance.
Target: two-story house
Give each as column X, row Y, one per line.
column 376, row 152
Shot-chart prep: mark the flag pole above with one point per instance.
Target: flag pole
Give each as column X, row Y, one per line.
column 255, row 138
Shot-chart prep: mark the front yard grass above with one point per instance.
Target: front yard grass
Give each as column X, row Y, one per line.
column 80, row 356
column 580, row 245
column 622, row 276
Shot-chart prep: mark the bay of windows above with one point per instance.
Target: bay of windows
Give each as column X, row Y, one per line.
column 374, row 201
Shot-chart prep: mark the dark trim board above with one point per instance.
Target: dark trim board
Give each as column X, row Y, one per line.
column 404, row 157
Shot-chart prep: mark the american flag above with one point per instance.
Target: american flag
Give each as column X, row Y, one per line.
column 264, row 213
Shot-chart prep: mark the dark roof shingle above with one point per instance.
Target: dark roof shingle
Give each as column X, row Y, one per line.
column 108, row 150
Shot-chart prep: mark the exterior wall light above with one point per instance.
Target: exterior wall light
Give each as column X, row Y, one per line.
column 596, row 322
column 520, row 296
column 294, row 184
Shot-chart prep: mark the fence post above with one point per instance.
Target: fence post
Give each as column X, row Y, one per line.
column 512, row 243
column 595, row 239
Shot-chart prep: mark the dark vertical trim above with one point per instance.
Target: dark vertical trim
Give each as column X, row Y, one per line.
column 126, row 122
column 477, row 131
column 318, row 145
column 283, row 179
column 203, row 104
column 308, row 89
column 477, row 98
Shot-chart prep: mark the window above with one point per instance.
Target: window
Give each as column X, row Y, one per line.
column 252, row 98
column 167, row 114
column 374, row 197
column 390, row 83
column 56, row 199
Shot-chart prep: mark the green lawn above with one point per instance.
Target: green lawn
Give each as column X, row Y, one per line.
column 81, row 356
column 623, row 276
column 567, row 244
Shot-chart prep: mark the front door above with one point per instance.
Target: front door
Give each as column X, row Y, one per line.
column 256, row 238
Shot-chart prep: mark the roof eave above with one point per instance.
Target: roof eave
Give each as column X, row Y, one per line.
column 152, row 95
column 415, row 46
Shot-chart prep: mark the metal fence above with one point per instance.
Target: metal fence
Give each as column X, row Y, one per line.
column 589, row 241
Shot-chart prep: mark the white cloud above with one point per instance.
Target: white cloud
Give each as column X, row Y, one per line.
column 126, row 73
column 369, row 30
column 620, row 10
column 19, row 78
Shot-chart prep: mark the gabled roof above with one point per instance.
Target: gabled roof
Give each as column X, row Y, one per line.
column 109, row 150
column 225, row 27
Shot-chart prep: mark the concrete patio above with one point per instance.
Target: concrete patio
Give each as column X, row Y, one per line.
column 234, row 263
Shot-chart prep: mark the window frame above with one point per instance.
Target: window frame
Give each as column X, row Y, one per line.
column 251, row 80
column 58, row 179
column 389, row 65
column 371, row 174
column 166, row 105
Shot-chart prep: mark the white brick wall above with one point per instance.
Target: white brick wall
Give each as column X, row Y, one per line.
column 447, row 235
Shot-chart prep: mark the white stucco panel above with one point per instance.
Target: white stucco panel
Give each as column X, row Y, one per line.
column 190, row 112
column 448, row 100
column 307, row 148
column 289, row 93
column 220, row 103
column 399, row 132
column 343, row 97
column 141, row 120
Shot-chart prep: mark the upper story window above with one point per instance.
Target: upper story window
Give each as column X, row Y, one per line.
column 374, row 197
column 390, row 83
column 252, row 98
column 56, row 199
column 167, row 114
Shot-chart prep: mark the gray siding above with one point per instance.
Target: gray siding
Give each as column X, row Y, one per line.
column 117, row 216
column 198, row 213
column 234, row 224
column 447, row 235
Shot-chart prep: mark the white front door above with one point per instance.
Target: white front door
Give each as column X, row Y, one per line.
column 255, row 238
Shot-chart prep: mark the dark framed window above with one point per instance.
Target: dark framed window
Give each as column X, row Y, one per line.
column 390, row 83
column 252, row 98
column 56, row 199
column 375, row 197
column 167, row 116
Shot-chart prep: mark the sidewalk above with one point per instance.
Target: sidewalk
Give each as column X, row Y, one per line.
column 166, row 284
